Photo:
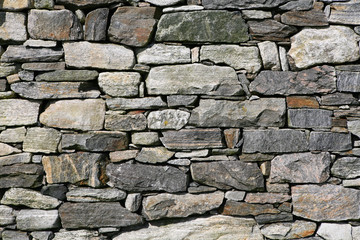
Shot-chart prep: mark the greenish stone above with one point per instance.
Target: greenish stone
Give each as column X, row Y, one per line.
column 68, row 75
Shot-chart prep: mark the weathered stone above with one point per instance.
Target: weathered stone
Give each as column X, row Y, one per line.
column 203, row 26
column 200, row 189
column 132, row 26
column 245, row 209
column 75, row 114
column 338, row 99
column 145, row 138
column 269, row 55
column 44, row 140
column 7, row 95
column 351, row 182
column 154, row 155
column 328, row 141
column 141, row 177
column 195, row 228
column 335, row 44
column 12, row 27
column 15, row 5
column 54, row 25
column 120, row 156
column 345, row 13
column 256, row 14
column 192, row 139
column 98, row 141
column 273, row 218
column 297, row 229
column 302, row 102
column 133, row 202
column 223, row 113
column 327, row 202
column 130, row 122
column 120, row 84
column 95, row 195
column 81, row 167
column 164, row 3
column 47, row 4
column 135, row 103
column 181, row 100
column 76, row 234
column 346, row 167
column 300, row 168
column 7, row 215
column 267, row 198
column 68, row 76
column 42, row 235
column 87, row 3
column 354, row 127
column 29, row 198
column 348, row 67
column 193, row 79
column 19, row 53
column 232, row 136
column 55, row 190
column 40, row 43
column 275, row 141
column 297, row 5
column 43, row 66
column 235, row 195
column 21, row 175
column 270, row 30
column 220, row 4
column 312, row 18
column 26, row 75
column 348, row 81
column 168, row 119
column 235, row 56
column 95, row 215
column 6, row 149
column 96, row 24
column 3, row 85
column 180, row 162
column 31, row 220
column 167, row 205
column 15, row 159
column 227, row 175
column 13, row 135
column 14, row 235
column 7, row 69
column 96, row 55
column 164, row 54
column 283, row 59
column 309, row 118
column 333, row 231
column 315, row 80
column 186, row 8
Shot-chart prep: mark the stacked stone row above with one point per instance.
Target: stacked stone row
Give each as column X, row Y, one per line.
column 166, row 119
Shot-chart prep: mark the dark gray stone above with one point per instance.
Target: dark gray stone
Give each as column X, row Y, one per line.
column 348, row 81
column 19, row 53
column 181, row 100
column 271, row 218
column 309, row 118
column 312, row 18
column 83, row 194
column 346, row 167
column 15, row 159
column 243, row 4
column 117, row 122
column 55, row 190
column 21, row 175
column 135, row 103
column 96, row 24
column 329, row 141
column 270, row 30
column 348, row 67
column 337, row 99
column 68, row 76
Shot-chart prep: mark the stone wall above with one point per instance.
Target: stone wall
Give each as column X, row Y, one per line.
column 167, row 119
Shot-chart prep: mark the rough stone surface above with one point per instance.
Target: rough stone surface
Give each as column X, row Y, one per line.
column 168, row 119
column 270, row 30
column 120, row 84
column 40, row 43
column 120, row 156
column 6, row 149
column 336, row 99
column 135, row 103
column 269, row 55
column 134, row 122
column 87, row 3
column 21, row 175
column 354, row 127
column 55, row 190
column 219, row 4
column 348, row 81
column 328, row 141
column 43, row 66
column 164, row 54
column 346, row 167
column 14, row 235
column 164, row 3
column 267, row 198
column 44, row 140
column 235, row 195
column 245, row 209
column 133, row 201
column 16, row 112
column 12, row 26
column 141, row 177
column 345, row 13
column 68, row 76
column 76, row 234
column 256, row 14
column 314, row 18
column 295, row 230
column 15, row 5
column 19, row 53
column 309, row 118
column 37, row 219
column 298, row 5
column 15, row 159
column 181, row 100
column 82, row 194
column 145, row 138
column 154, row 155
column 227, row 175
column 96, row 24
column 332, row 231
column 7, row 215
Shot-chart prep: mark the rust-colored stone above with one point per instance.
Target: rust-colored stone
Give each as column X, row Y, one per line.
column 245, row 209
column 302, row 102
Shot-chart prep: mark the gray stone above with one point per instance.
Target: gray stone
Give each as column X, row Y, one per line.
column 14, row 235
column 164, row 54
column 133, row 202
column 203, row 26
column 40, row 43
column 17, row 5
column 130, row 122
column 300, row 168
column 15, row 159
column 348, row 67
column 47, row 4
column 164, row 3
column 345, row 13
column 328, row 141
column 267, row 112
column 120, row 84
column 227, row 175
column 3, row 85
column 154, row 155
column 7, row 69
column 211, row 158
column 29, row 198
column 235, row 195
column 7, row 215
column 327, row 202
column 76, row 234
column 275, row 141
column 13, row 135
column 87, row 3
column 167, row 205
column 98, row 141
column 196, row 153
column 200, row 189
column 335, row 44
column 335, row 231
column 57, row 25
column 338, row 99
column 145, row 138
column 246, row 209
column 96, row 55
column 354, row 127
column 192, row 139
column 42, row 235
column 43, row 66
column 256, row 14
column 96, row 215
column 270, row 55
column 348, row 81
column 351, row 182
column 235, row 56
column 309, row 118
column 179, row 162
column 7, row 95
column 141, row 177
column 68, row 76
column 221, row 4
column 74, row 168
column 283, row 59
column 267, row 198
column 270, row 30
column 120, row 156
column 19, row 53
column 297, row 5
column 315, row 80
column 37, row 219
column 273, row 218
column 82, row 194
column 312, row 18
column 346, row 167
column 168, row 119
column 135, row 103
column 297, row 229
column 26, row 75
column 44, row 140
column 75, row 114
column 12, row 27
column 6, row 149
column 193, row 79
column 95, row 24
column 186, row 8
column 21, row 175
column 181, row 100
column 55, row 190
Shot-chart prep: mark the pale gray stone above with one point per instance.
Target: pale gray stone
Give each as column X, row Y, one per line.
column 221, row 4
column 87, row 3
column 264, row 198
column 13, row 135
column 168, row 119
column 196, row 153
column 82, row 194
column 7, row 69
column 14, row 235
column 12, row 27
column 329, row 141
column 298, row 5
column 351, row 182
column 41, row 140
column 256, row 14
column 96, row 55
column 130, row 122
column 68, row 76
column 39, row 43
column 267, row 112
column 211, row 158
column 37, row 219
column 283, row 59
column 47, row 4
column 145, row 138
column 6, row 149
column 181, row 100
column 43, row 66
column 42, row 235
column 19, row 53
column 355, row 232
column 335, row 44
column 309, row 118
column 348, row 81
column 17, row 5
column 7, row 215
column 164, row 54
column 179, row 162
column 120, row 84
column 353, row 127
column 120, row 156
column 193, row 79
column 235, row 195
column 26, row 75
column 133, row 201
column 269, row 55
column 289, row 230
column 186, row 8
column 76, row 234
column 346, row 167
column 335, row 231
column 345, row 13
column 164, row 3
column 7, row 95
column 135, row 103
column 154, row 155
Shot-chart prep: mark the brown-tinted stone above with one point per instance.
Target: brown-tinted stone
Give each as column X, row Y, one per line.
column 267, row 198
column 232, row 136
column 96, row 24
column 302, row 102
column 21, row 175
column 20, row 53
column 270, row 30
column 312, row 18
column 245, row 209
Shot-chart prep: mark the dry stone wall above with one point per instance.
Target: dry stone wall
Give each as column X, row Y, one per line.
column 174, row 119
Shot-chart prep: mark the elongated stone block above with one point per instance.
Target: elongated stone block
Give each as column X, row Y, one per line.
column 34, row 220
column 270, row 30
column 329, row 141
column 15, row 112
column 120, row 84
column 345, row 13
column 309, row 118
column 83, row 194
column 221, row 4
column 15, row 159
column 19, row 53
column 65, row 75
column 116, row 122
column 346, row 167
column 135, row 103
column 21, row 175
column 168, row 119
column 164, row 54
column 87, row 3
column 245, row 209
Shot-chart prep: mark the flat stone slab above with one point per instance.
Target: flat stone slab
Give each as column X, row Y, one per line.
column 12, row 27
column 15, row 159
column 312, row 18
column 164, row 54
column 154, row 155
column 348, row 81
column 329, row 141
column 289, row 230
column 346, row 167
column 221, row 4
column 43, row 66
column 168, row 119
column 345, row 13
column 16, row 112
column 135, row 103
column 309, row 118
column 19, row 53
column 120, row 84
column 21, row 175
column 67, row 75
column 245, row 209
column 270, row 30
column 34, row 220
column 83, row 194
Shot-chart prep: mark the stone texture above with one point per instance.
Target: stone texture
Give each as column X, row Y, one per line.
column 302, row 102
column 31, row 220
column 267, row 198
column 193, row 79
column 54, row 25
column 17, row 112
column 270, row 55
column 270, row 30
column 55, row 190
column 345, row 13
column 337, row 99
column 12, row 27
column 167, row 205
column 192, row 139
column 87, row 3
column 235, row 195
column 48, row 4
column 130, row 122
column 21, row 175
column 346, row 167
column 335, row 44
column 96, row 55
column 295, row 230
column 40, row 43
column 186, row 8
column 95, row 195
column 75, row 114
column 135, row 103
column 154, row 155
column 14, row 235
column 204, row 26
column 245, row 209
column 235, row 56
column 96, row 24
column 44, row 140
column 163, row 54
column 348, row 81
column 168, row 119
column 19, row 53
column 181, row 100
column 43, row 66
column 141, row 177
column 267, row 112
column 328, row 141
column 334, row 231
column 315, row 80
column 164, row 3
column 7, row 215
column 298, row 5
column 68, row 76
column 15, row 159
column 256, row 14
column 132, row 26
column 227, row 175
column 272, row 218
column 309, row 118
column 210, row 228
column 6, row 149
column 15, row 5
column 327, row 202
column 81, row 167
column 76, row 234
column 354, row 127
column 145, row 138
column 219, row 4
column 120, row 84
column 272, row 141
column 120, row 156
column 42, row 235
column 133, row 202
column 312, row 18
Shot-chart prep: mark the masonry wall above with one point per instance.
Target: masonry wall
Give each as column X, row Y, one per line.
column 167, row 119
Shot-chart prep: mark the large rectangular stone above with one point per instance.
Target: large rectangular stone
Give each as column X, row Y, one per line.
column 12, row 27
column 135, row 103
column 329, row 141
column 348, row 81
column 345, row 13
column 19, row 53
column 15, row 112
column 35, row 220
column 43, row 66
column 43, row 140
column 164, row 54
column 309, row 118
column 129, row 122
column 21, row 175
column 225, row 4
